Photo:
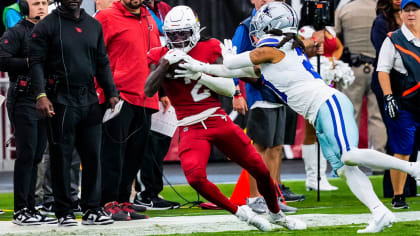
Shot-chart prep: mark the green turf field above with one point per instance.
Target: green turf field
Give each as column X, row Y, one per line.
column 335, row 202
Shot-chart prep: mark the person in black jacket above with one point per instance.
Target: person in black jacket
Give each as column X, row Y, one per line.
column 67, row 48
column 29, row 130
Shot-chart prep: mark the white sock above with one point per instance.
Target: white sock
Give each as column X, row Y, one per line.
column 361, row 186
column 376, row 160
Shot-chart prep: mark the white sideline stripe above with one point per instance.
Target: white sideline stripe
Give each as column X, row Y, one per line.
column 187, row 224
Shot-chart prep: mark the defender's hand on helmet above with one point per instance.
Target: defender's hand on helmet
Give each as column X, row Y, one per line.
column 227, row 48
column 189, row 74
column 174, row 56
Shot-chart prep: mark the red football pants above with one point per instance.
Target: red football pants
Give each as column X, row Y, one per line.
column 194, row 152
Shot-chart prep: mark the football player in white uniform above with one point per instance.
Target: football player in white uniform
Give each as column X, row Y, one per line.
column 287, row 71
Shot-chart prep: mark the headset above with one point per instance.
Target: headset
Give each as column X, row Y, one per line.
column 24, row 9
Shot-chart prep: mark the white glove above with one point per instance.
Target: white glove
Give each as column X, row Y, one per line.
column 188, row 74
column 174, row 56
column 227, row 48
column 195, row 65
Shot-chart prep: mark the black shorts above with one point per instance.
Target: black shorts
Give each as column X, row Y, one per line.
column 271, row 127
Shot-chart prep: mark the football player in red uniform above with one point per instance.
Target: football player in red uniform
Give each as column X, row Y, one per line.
column 201, row 120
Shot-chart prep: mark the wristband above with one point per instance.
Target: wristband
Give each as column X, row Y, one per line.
column 238, row 96
column 41, row 95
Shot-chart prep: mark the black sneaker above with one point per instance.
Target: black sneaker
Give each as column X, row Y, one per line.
column 398, row 202
column 77, row 209
column 43, row 219
column 68, row 220
column 1, row 212
column 96, row 216
column 24, row 217
column 290, row 196
column 155, row 203
column 47, row 208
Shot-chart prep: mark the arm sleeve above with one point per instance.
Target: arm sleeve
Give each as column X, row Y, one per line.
column 238, row 61
column 38, row 51
column 242, row 42
column 220, row 85
column 386, row 56
column 10, row 44
column 222, row 71
column 103, row 69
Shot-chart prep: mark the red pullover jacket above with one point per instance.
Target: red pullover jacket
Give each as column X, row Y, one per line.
column 128, row 41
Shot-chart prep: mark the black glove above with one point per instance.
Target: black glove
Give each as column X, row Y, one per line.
column 391, row 106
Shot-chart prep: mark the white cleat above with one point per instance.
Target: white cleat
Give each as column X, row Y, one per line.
column 381, row 219
column 245, row 213
column 288, row 222
column 324, row 185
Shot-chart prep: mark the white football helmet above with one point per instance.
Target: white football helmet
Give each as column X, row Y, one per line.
column 273, row 15
column 181, row 28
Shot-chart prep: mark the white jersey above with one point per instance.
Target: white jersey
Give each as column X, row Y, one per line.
column 295, row 80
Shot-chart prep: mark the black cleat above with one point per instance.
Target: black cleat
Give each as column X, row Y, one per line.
column 290, row 196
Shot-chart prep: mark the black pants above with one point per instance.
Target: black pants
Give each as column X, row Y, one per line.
column 78, row 127
column 152, row 164
column 123, row 145
column 31, row 140
column 46, row 186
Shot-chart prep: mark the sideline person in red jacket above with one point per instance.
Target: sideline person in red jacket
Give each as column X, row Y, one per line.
column 129, row 33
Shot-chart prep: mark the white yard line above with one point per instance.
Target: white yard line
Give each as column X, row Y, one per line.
column 185, row 224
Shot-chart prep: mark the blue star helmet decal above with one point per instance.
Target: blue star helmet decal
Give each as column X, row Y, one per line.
column 267, row 11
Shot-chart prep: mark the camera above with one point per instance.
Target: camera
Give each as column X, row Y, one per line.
column 317, row 13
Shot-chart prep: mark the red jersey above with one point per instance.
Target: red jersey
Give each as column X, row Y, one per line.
column 187, row 96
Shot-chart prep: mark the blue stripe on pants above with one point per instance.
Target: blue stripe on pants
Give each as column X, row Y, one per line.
column 343, row 127
column 335, row 126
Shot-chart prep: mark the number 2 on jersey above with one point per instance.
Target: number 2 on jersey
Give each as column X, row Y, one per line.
column 199, row 96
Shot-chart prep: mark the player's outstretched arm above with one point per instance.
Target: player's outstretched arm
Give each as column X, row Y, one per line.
column 249, row 58
column 220, row 85
column 218, row 70
column 156, row 77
